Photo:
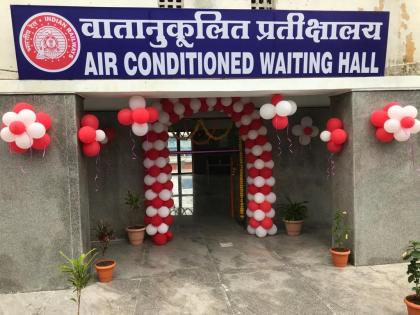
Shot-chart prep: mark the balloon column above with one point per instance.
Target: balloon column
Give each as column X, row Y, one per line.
column 278, row 111
column 137, row 115
column 24, row 129
column 395, row 122
column 91, row 136
column 305, row 130
column 335, row 136
column 157, row 180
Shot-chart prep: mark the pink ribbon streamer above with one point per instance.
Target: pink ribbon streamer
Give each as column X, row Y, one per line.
column 331, row 166
column 97, row 173
column 133, row 147
column 279, row 143
column 291, row 149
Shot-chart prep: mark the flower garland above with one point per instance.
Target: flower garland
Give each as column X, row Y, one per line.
column 201, row 126
column 241, row 181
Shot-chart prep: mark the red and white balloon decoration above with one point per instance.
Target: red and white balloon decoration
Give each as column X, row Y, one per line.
column 394, row 121
column 24, row 129
column 91, row 136
column 305, row 130
column 137, row 115
column 278, row 111
column 335, row 136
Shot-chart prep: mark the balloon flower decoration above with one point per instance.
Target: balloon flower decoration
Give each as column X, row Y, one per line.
column 305, row 130
column 138, row 116
column 395, row 122
column 278, row 111
column 91, row 136
column 25, row 129
column 335, row 136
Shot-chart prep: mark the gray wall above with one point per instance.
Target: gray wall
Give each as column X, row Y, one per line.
column 378, row 183
column 117, row 173
column 43, row 200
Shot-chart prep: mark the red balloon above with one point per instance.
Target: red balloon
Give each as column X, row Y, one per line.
column 160, row 239
column 157, row 203
column 249, row 144
column 15, row 149
column 89, row 120
column 248, row 108
column 253, row 172
column 169, row 203
column 17, row 127
column 111, row 133
column 154, row 171
column 407, row 122
column 266, row 172
column 265, row 206
column 252, row 205
column 204, row 107
column 42, row 143
column 267, row 223
column 164, row 153
column 307, row 131
column 265, row 190
column 266, row 156
column 185, row 101
column 168, row 185
column 156, row 220
column 124, row 117
column 333, row 148
column 236, row 116
column 174, row 118
column 167, row 106
column 91, row 149
column 163, row 136
column 252, row 189
column 188, row 111
column 261, row 140
column 390, row 104
column 87, row 134
column 253, row 223
column 338, row 136
column 167, row 169
column 169, row 220
column 153, row 114
column 384, row 136
column 152, row 154
column 44, row 119
column 255, row 124
column 22, row 105
column 378, row 118
column 140, row 115
column 147, row 220
column 280, row 122
column 275, row 98
column 334, row 123
column 169, row 235
column 157, row 187
column 251, row 158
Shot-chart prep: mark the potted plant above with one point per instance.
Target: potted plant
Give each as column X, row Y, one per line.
column 78, row 273
column 340, row 233
column 413, row 271
column 104, row 267
column 293, row 214
column 135, row 232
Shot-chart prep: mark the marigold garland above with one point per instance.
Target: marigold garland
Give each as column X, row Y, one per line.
column 201, row 126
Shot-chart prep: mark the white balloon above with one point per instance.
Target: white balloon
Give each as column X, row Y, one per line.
column 269, row 164
column 151, row 211
column 402, row 135
column 211, row 101
column 416, row 127
column 100, row 134
column 272, row 230
column 162, row 178
column 163, row 212
column 9, row 117
column 165, row 194
column 267, row 147
column 262, row 131
column 150, row 194
column 246, row 120
column 271, row 213
column 249, row 197
column 297, row 130
column 137, row 102
column 237, row 124
column 147, row 145
column 257, row 150
column 304, row 140
column 238, row 107
column 179, row 109
column 250, row 230
column 410, row 111
column 151, row 229
column 164, row 118
column 259, row 215
column 270, row 181
column 163, row 228
column 315, row 131
column 247, row 150
column 159, row 145
column 325, row 136
column 249, row 213
column 260, row 231
column 195, row 105
column 396, row 112
column 23, row 141
column 6, row 135
column 252, row 134
column 148, row 163
column 249, row 180
column 259, row 164
column 105, row 141
column 226, row 101
column 306, row 121
column 271, row 197
column 27, row 116
column 294, row 107
column 139, row 129
column 259, row 181
column 149, row 180
column 158, row 127
column 259, row 197
column 392, row 125
column 283, row 108
column 37, row 131
column 268, row 111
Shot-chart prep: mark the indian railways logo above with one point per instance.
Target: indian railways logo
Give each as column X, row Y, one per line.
column 49, row 42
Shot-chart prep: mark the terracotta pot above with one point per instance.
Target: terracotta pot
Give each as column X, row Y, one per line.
column 412, row 308
column 105, row 269
column 136, row 234
column 293, row 228
column 340, row 258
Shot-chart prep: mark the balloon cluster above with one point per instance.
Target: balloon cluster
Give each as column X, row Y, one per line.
column 335, row 136
column 278, row 110
column 137, row 116
column 91, row 136
column 24, row 129
column 305, row 130
column 395, row 122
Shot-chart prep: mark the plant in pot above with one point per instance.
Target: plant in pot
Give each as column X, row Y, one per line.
column 293, row 214
column 78, row 273
column 104, row 267
column 412, row 255
column 135, row 232
column 340, row 233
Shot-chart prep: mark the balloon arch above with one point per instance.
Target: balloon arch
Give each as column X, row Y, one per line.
column 258, row 153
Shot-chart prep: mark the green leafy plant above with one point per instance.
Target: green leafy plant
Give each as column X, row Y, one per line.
column 293, row 211
column 105, row 234
column 78, row 273
column 412, row 255
column 340, row 230
column 133, row 201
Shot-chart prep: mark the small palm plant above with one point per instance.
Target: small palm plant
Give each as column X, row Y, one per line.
column 78, row 273
column 105, row 234
column 412, row 255
column 293, row 211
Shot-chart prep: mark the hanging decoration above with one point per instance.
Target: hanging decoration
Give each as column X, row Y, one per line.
column 24, row 129
column 137, row 115
column 305, row 130
column 394, row 121
column 91, row 136
column 278, row 111
column 335, row 136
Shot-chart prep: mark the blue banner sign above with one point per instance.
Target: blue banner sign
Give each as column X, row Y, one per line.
column 54, row 42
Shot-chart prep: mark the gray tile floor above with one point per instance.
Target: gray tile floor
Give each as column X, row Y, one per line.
column 195, row 275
